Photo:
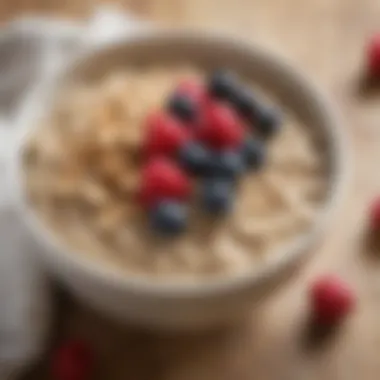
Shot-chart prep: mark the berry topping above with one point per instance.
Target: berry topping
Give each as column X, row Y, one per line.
column 165, row 135
column 221, row 127
column 195, row 158
column 253, row 152
column 169, row 217
column 161, row 178
column 73, row 361
column 373, row 56
column 183, row 107
column 222, row 84
column 228, row 164
column 192, row 90
column 217, row 196
column 266, row 122
column 331, row 300
column 218, row 147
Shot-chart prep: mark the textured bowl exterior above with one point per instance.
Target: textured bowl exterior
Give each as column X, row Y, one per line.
column 176, row 304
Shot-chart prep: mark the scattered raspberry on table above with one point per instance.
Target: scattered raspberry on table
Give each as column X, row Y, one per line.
column 73, row 360
column 373, row 56
column 374, row 215
column 332, row 299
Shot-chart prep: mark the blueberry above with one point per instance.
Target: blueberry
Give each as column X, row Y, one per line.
column 217, row 196
column 195, row 158
column 227, row 164
column 253, row 152
column 262, row 118
column 245, row 103
column 267, row 122
column 222, row 84
column 183, row 107
column 169, row 218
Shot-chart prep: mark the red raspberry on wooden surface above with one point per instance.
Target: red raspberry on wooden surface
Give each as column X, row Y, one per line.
column 373, row 56
column 163, row 179
column 221, row 128
column 165, row 135
column 374, row 215
column 73, row 360
column 332, row 300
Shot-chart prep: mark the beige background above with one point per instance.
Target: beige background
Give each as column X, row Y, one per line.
column 327, row 38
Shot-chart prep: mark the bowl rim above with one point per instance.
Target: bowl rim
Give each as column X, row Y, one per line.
column 142, row 284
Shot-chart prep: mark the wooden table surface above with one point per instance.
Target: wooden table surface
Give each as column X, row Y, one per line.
column 327, row 38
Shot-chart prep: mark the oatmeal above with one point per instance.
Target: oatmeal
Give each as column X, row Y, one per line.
column 89, row 175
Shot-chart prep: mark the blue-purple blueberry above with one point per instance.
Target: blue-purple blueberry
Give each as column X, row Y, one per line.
column 169, row 218
column 245, row 103
column 217, row 196
column 254, row 153
column 267, row 122
column 183, row 107
column 222, row 84
column 228, row 164
column 263, row 119
column 196, row 158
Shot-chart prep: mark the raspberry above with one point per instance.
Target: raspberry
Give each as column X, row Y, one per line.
column 221, row 127
column 373, row 56
column 165, row 135
column 374, row 215
column 73, row 361
column 331, row 299
column 162, row 179
column 193, row 90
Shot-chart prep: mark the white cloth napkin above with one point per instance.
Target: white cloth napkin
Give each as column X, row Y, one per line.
column 30, row 50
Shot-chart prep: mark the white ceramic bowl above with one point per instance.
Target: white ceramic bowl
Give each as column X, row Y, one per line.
column 173, row 304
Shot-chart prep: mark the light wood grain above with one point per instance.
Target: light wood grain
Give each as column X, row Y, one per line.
column 327, row 39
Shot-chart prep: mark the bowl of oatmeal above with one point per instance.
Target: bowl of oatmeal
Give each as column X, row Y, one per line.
column 173, row 180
